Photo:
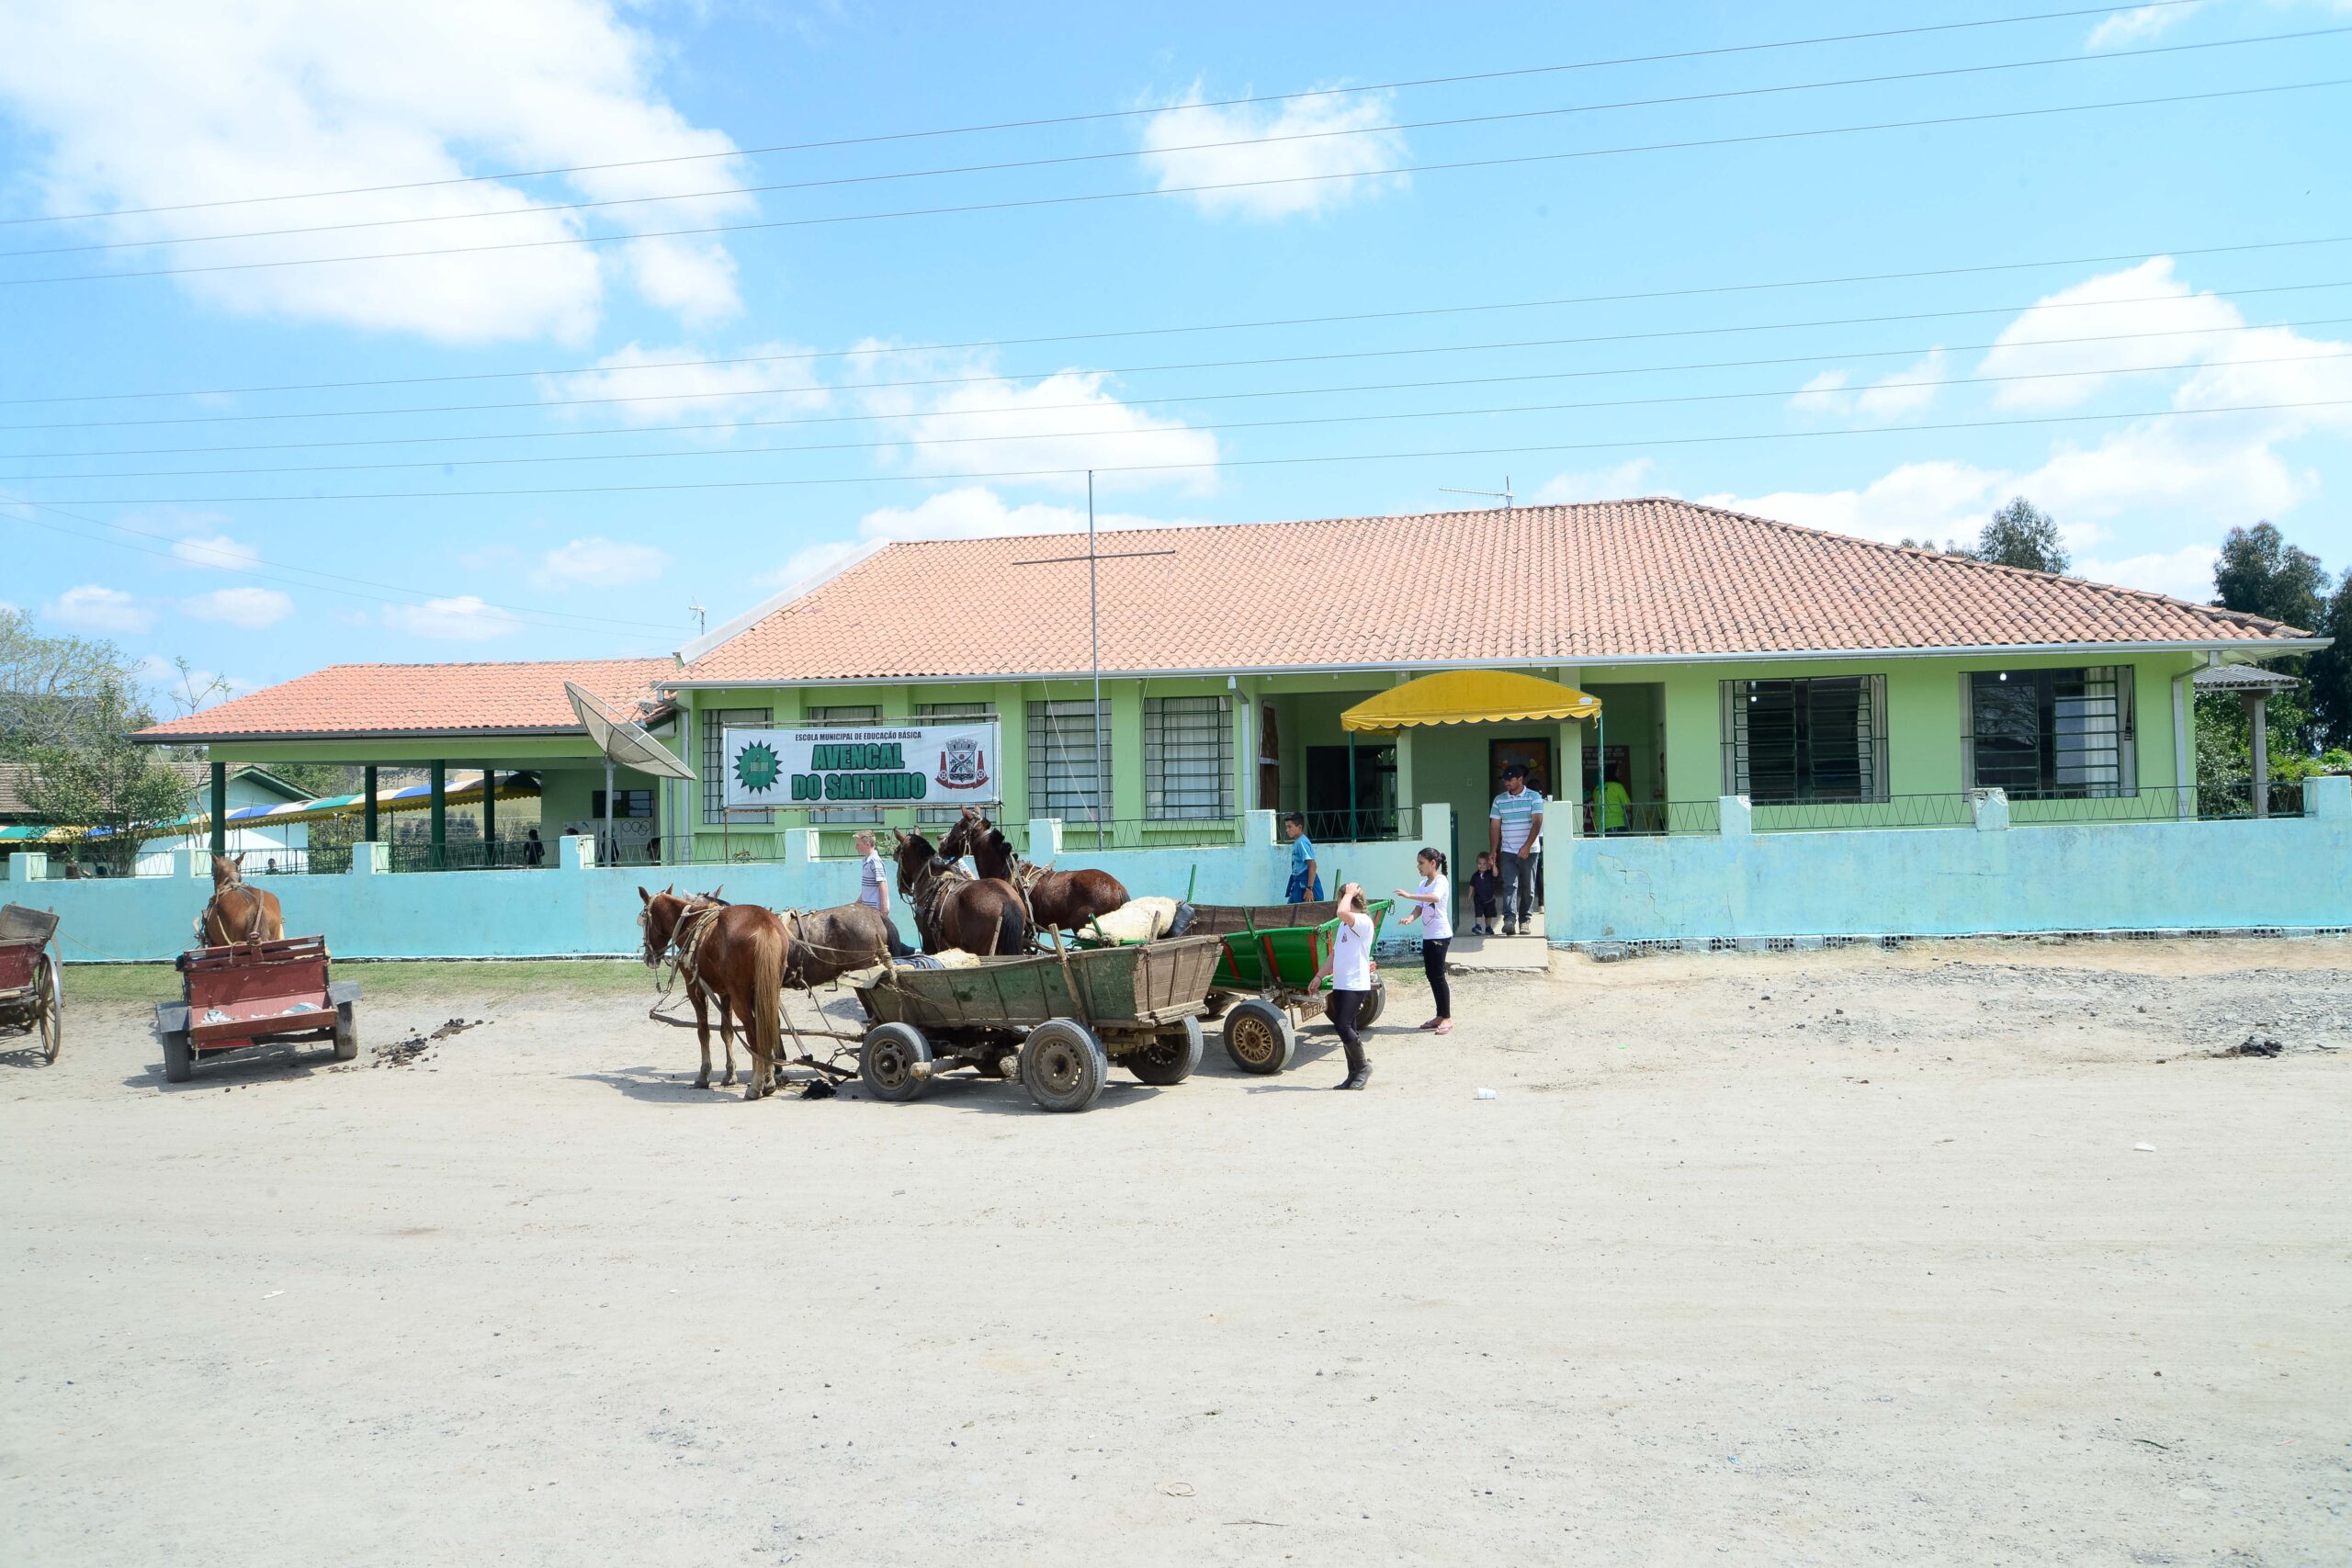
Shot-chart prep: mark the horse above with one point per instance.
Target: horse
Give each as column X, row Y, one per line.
column 734, row 954
column 829, row 943
column 1058, row 900
column 238, row 911
column 982, row 915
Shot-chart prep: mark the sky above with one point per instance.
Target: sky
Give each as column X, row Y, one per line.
column 542, row 328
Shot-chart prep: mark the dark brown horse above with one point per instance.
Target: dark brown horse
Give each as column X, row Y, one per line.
column 1058, row 900
column 829, row 943
column 733, row 955
column 982, row 915
column 238, row 911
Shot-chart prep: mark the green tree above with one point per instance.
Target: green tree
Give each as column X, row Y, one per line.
column 2022, row 534
column 2330, row 669
column 50, row 687
column 100, row 778
column 2259, row 573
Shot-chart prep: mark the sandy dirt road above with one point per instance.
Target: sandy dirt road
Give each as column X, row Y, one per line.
column 1831, row 1258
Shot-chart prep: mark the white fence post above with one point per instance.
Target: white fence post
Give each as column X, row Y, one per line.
column 576, row 851
column 1045, row 838
column 1734, row 816
column 28, row 866
column 370, row 858
column 1990, row 808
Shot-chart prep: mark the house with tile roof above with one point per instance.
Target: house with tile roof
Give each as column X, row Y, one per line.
column 1829, row 680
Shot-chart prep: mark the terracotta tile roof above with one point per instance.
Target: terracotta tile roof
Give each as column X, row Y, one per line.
column 369, row 700
column 1649, row 579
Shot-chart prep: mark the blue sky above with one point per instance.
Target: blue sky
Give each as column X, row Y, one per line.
column 261, row 534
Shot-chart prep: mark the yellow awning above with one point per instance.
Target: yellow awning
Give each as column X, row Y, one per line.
column 1469, row 696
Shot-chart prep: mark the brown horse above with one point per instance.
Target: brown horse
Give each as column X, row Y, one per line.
column 1058, row 900
column 953, row 910
column 829, row 943
column 733, row 955
column 238, row 910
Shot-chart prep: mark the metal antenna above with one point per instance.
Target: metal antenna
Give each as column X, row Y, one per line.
column 702, row 618
column 1503, row 495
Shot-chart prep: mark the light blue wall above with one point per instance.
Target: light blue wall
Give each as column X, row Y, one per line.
column 2287, row 871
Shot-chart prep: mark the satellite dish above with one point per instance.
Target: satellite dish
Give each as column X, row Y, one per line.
column 623, row 740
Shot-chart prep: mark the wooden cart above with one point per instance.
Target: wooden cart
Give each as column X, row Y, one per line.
column 1265, row 973
column 32, row 991
column 256, row 993
column 1054, row 1022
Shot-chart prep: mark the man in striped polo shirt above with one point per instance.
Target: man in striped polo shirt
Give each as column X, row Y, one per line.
column 1515, row 830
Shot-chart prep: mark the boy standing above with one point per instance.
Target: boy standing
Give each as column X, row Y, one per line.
column 1484, row 885
column 1305, row 876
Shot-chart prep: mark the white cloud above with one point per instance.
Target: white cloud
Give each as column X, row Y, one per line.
column 251, row 608
column 1613, row 483
column 2147, row 299
column 462, row 619
column 1823, row 394
column 96, row 608
column 148, row 103
column 1295, row 142
column 1066, row 421
column 175, row 689
column 599, row 562
column 1833, row 394
column 217, row 550
column 2184, row 573
column 664, row 390
column 2139, row 23
column 1939, row 499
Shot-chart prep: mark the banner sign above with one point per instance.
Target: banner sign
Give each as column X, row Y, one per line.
column 881, row 765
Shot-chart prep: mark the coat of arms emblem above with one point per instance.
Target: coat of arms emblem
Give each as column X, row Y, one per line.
column 962, row 764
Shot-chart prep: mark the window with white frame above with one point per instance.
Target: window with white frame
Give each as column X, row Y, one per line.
column 1819, row 738
column 1187, row 758
column 2051, row 734
column 1066, row 778
column 950, row 713
column 715, row 723
column 843, row 714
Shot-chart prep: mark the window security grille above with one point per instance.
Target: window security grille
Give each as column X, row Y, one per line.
column 1187, row 758
column 1065, row 776
column 952, row 713
column 1820, row 738
column 844, row 713
column 715, row 725
column 2051, row 734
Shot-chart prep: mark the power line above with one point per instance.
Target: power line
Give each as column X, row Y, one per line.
column 1211, row 463
column 1195, row 396
column 562, row 620
column 1261, row 324
column 1010, row 204
column 1146, row 369
column 1161, row 431
column 1096, row 115
column 1133, row 153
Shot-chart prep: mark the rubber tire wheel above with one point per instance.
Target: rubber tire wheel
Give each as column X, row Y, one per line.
column 1172, row 1056
column 1259, row 1038
column 179, row 1061
column 53, row 1012
column 1375, row 1002
column 347, row 1034
column 885, row 1062
column 1063, row 1065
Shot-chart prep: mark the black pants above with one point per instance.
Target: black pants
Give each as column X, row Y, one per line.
column 1343, row 1019
column 1433, row 966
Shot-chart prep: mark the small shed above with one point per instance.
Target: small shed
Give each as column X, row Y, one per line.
column 2254, row 686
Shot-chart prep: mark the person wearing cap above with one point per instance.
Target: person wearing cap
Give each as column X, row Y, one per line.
column 1515, row 831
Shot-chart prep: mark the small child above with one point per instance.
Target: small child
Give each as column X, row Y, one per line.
column 1485, row 895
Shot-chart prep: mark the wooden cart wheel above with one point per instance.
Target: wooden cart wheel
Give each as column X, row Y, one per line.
column 179, row 1061
column 1063, row 1065
column 346, row 1032
column 1171, row 1057
column 886, row 1062
column 1375, row 1002
column 1258, row 1037
column 52, row 1010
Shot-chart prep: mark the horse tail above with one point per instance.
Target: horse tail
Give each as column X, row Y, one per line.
column 767, row 995
column 1012, row 930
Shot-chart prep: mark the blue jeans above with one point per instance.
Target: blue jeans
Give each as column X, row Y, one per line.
column 1518, row 886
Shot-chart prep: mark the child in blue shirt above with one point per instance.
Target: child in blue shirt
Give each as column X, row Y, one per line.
column 1305, row 876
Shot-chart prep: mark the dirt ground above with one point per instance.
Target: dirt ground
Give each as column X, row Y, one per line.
column 1819, row 1258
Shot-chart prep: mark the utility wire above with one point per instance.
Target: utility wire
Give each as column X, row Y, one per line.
column 1164, row 430
column 1133, row 153
column 1264, row 324
column 1207, row 463
column 814, row 388
column 1015, row 203
column 1097, row 115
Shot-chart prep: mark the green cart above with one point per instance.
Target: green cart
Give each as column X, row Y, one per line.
column 1054, row 1022
column 1266, row 968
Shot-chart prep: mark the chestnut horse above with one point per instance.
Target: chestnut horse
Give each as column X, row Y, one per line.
column 953, row 910
column 733, row 955
column 1058, row 900
column 238, row 911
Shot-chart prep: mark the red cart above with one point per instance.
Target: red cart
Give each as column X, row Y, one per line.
column 32, row 996
column 256, row 993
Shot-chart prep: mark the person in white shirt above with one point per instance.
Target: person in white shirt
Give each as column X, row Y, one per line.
column 1350, row 967
column 874, row 891
column 1433, row 906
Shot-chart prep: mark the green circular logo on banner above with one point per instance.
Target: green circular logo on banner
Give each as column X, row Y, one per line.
column 757, row 768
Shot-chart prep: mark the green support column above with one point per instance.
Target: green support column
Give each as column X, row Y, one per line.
column 219, row 809
column 438, row 859
column 490, row 814
column 367, row 824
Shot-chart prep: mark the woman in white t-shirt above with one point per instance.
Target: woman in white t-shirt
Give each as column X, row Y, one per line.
column 1350, row 967
column 1433, row 906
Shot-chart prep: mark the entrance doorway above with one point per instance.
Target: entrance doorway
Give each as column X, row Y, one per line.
column 1351, row 792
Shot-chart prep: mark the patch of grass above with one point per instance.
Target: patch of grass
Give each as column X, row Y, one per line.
column 593, row 976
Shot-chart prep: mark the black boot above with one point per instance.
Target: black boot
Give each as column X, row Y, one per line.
column 1359, row 1067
